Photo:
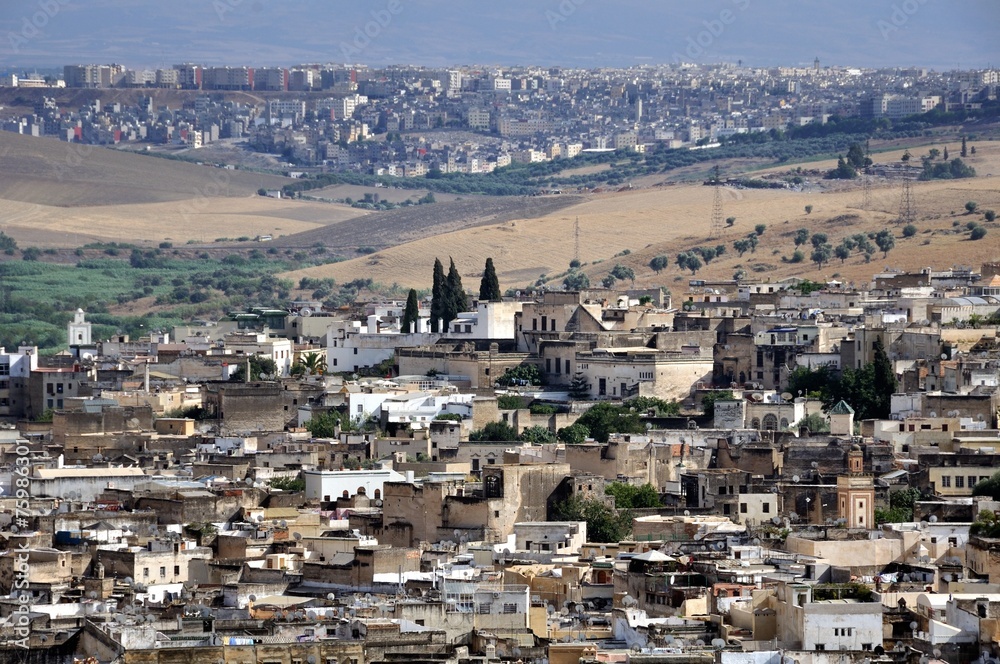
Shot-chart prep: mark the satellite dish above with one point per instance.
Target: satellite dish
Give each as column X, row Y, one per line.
column 305, row 312
column 297, row 536
column 252, row 598
column 932, row 414
column 932, row 518
column 944, row 356
column 786, row 396
column 796, row 478
column 718, row 643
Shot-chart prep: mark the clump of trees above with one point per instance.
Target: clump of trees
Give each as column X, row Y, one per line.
column 448, row 297
column 867, row 390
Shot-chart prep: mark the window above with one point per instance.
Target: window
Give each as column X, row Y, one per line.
column 4, row 369
column 743, row 508
column 534, row 323
column 946, row 481
column 959, row 482
column 866, row 646
column 548, row 365
column 145, row 572
column 509, row 608
column 163, row 572
column 820, row 646
column 972, row 481
column 177, row 570
column 355, row 351
column 766, row 508
column 484, row 608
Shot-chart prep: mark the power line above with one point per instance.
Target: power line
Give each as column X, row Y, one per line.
column 907, row 206
column 716, row 229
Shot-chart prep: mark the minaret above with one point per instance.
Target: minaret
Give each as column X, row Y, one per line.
column 856, row 492
column 78, row 330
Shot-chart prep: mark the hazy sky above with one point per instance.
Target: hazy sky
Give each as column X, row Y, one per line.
column 941, row 34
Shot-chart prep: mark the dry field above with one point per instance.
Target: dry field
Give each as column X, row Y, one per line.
column 54, row 194
column 670, row 219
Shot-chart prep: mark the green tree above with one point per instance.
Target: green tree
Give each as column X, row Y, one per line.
column 489, row 286
column 604, row 419
column 809, row 209
column 574, row 434
column 623, row 272
column 759, row 229
column 885, row 242
column 989, row 487
column 439, row 293
column 630, row 496
column 741, row 246
column 411, row 313
column 815, row 422
column 708, row 401
column 309, row 364
column 978, row 233
column 659, row 263
column 843, row 171
column 604, row 524
column 801, row 237
column 510, row 402
column 660, row 407
column 971, row 207
column 578, row 388
column 842, row 252
column 818, row 239
column 609, row 281
column 495, row 432
column 856, row 156
column 537, row 435
column 965, row 150
column 909, row 230
column 730, row 221
column 259, row 366
column 990, row 215
column 324, row 425
column 456, row 301
column 576, row 280
column 821, row 255
column 291, row 484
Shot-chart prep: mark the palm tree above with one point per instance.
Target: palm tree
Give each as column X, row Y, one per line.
column 309, row 364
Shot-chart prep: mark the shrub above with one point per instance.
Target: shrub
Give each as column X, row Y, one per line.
column 909, row 230
column 978, row 233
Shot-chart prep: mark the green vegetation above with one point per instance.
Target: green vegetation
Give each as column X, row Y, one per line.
column 630, row 496
column 604, row 419
column 708, row 401
column 494, row 431
column 525, row 374
column 978, row 233
column 261, row 368
column 985, row 525
column 901, row 504
column 450, row 417
column 604, row 524
column 510, row 402
column 953, row 170
column 988, row 487
column 659, row 407
column 489, row 287
column 293, row 484
column 816, row 423
column 324, row 425
column 411, row 313
column 574, row 434
column 867, row 390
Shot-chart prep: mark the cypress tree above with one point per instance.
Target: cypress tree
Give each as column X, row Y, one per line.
column 455, row 299
column 411, row 313
column 883, row 381
column 489, row 287
column 438, row 296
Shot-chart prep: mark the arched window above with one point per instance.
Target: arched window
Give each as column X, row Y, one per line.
column 346, row 494
column 755, row 423
column 378, row 494
column 770, row 422
column 783, row 423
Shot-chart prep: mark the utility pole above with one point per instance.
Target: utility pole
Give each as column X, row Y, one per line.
column 907, row 206
column 716, row 229
column 866, row 180
column 576, row 239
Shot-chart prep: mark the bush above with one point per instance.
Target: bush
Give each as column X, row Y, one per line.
column 495, row 432
column 31, row 254
column 909, row 230
column 978, row 233
column 510, row 402
column 990, row 215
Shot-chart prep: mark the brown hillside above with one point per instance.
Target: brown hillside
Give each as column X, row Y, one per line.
column 676, row 218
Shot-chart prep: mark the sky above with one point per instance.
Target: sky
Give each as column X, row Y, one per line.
column 938, row 34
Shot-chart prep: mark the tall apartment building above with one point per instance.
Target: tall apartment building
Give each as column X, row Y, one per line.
column 189, row 76
column 93, row 76
column 227, row 78
column 274, row 79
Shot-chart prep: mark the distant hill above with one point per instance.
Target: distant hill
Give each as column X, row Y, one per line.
column 51, row 172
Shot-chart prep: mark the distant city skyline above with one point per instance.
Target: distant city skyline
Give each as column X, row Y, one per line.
column 571, row 33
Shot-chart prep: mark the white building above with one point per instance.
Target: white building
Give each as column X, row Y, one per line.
column 89, row 483
column 826, row 624
column 329, row 485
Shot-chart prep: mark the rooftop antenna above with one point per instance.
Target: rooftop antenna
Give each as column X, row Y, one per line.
column 717, row 205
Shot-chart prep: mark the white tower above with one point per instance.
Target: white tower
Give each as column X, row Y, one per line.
column 78, row 330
